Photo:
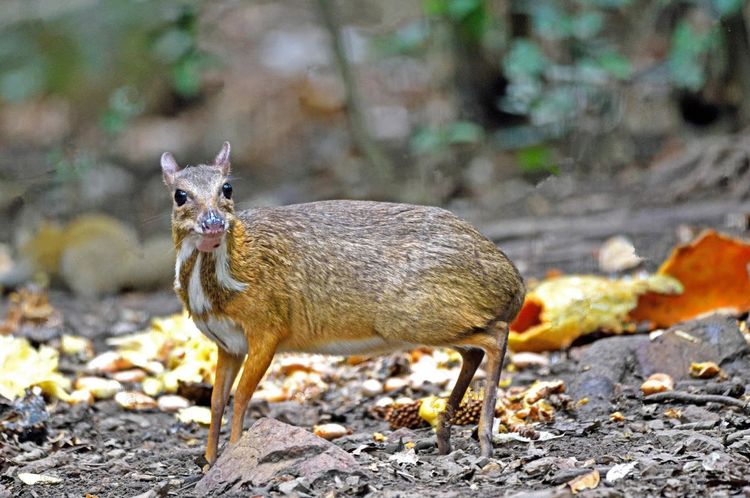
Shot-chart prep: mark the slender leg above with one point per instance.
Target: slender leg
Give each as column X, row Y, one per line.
column 227, row 367
column 495, row 356
column 256, row 364
column 470, row 360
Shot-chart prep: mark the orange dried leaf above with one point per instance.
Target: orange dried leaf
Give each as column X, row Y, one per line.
column 589, row 480
column 657, row 383
column 704, row 370
column 713, row 270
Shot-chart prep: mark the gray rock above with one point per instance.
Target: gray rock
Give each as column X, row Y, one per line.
column 716, row 338
column 270, row 449
column 692, row 413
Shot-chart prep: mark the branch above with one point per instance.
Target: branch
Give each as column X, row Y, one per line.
column 697, row 399
column 361, row 135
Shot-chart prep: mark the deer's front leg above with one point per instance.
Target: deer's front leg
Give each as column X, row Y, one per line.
column 259, row 357
column 227, row 367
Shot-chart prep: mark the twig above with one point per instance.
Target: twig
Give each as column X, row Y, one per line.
column 697, row 399
column 360, row 133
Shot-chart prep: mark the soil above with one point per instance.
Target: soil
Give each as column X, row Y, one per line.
column 102, row 450
column 691, row 450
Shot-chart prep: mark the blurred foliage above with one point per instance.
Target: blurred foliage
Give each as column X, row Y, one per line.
column 436, row 139
column 564, row 59
column 111, row 56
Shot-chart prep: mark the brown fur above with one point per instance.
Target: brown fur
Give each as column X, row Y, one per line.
column 321, row 274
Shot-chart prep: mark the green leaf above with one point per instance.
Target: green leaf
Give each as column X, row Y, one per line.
column 727, row 8
column 22, row 83
column 587, row 25
column 536, row 159
column 688, row 54
column 615, row 64
column 186, row 76
column 464, row 132
column 172, row 45
column 435, row 8
column 426, row 141
column 459, row 9
column 524, row 60
column 550, row 21
column 606, row 4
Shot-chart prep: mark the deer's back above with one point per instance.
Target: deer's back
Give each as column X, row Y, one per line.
column 393, row 270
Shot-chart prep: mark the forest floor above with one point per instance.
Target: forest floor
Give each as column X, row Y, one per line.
column 691, row 450
column 696, row 447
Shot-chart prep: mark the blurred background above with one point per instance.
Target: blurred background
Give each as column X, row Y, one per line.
column 495, row 109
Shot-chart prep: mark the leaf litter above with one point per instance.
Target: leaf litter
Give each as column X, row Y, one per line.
column 348, row 400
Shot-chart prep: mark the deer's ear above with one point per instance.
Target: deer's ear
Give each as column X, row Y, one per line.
column 169, row 168
column 222, row 158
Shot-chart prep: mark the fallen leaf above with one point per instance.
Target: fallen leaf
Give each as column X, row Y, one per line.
column 617, row 254
column 713, row 269
column 619, row 471
column 616, row 417
column 704, row 370
column 198, row 414
column 589, row 480
column 23, row 366
column 32, row 479
column 559, row 310
column 657, row 383
column 408, row 457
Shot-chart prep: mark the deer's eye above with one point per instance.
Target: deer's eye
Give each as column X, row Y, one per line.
column 180, row 197
column 227, row 190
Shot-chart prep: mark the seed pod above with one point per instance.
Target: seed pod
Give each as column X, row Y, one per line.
column 468, row 412
column 406, row 415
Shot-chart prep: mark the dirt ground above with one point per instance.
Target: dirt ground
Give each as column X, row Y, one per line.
column 105, row 451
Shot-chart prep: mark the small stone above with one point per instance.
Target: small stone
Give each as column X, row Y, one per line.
column 132, row 400
column 130, row 376
column 372, row 387
column 172, row 403
column 330, row 432
column 116, row 453
column 395, row 384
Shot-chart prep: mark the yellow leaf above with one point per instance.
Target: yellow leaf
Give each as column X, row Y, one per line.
column 22, row 366
column 561, row 309
column 198, row 414
column 589, row 480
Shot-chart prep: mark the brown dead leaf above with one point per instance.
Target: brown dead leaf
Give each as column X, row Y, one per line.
column 713, row 270
column 589, row 480
column 26, row 306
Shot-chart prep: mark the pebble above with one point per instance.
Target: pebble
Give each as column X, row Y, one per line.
column 133, row 400
column 372, row 387
column 394, row 384
column 171, row 403
column 330, row 432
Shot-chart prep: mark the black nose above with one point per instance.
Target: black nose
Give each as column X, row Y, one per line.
column 213, row 222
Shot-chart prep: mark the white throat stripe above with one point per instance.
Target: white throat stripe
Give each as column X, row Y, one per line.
column 198, row 301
